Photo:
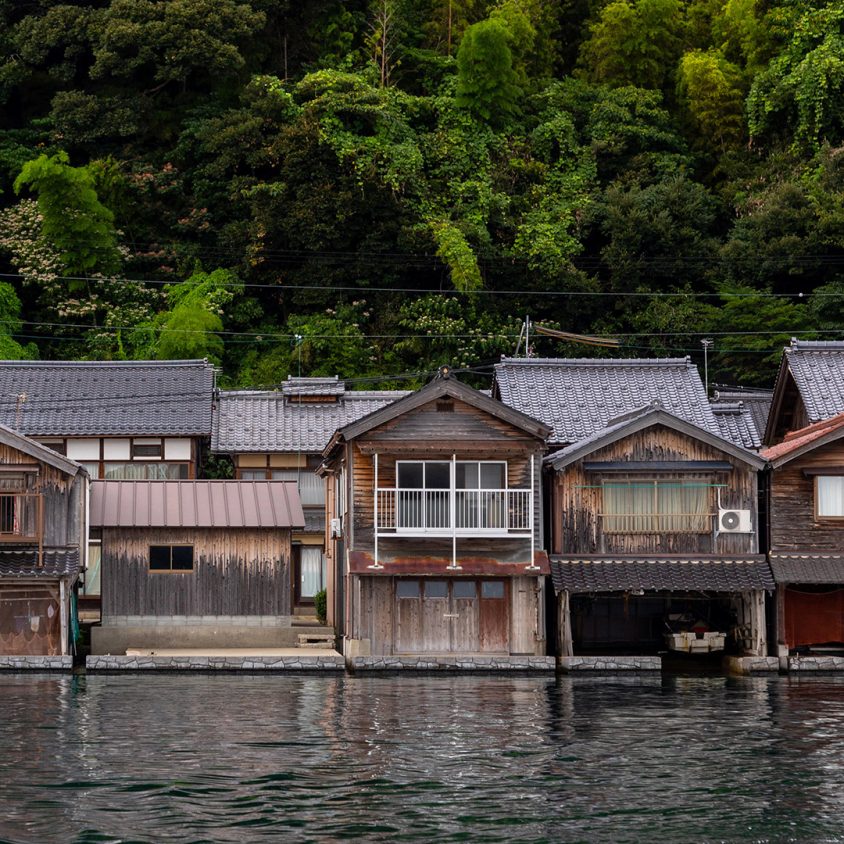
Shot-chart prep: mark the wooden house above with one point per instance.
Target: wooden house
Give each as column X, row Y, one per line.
column 654, row 540
column 280, row 435
column 806, row 535
column 195, row 564
column 434, row 511
column 43, row 512
column 809, row 387
column 641, row 470
column 119, row 419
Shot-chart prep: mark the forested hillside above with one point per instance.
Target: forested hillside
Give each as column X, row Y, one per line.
column 374, row 188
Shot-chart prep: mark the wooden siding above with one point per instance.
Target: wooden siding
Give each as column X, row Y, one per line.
column 793, row 526
column 377, row 619
column 61, row 494
column 576, row 499
column 236, row 572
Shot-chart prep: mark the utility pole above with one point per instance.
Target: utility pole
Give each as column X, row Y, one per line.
column 707, row 345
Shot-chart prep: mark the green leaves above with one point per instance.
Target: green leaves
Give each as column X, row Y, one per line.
column 74, row 221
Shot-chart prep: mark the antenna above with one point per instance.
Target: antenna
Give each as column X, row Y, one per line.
column 707, row 344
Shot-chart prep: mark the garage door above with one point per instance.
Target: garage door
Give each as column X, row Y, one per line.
column 451, row 616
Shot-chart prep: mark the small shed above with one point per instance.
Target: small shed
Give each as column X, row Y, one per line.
column 196, row 564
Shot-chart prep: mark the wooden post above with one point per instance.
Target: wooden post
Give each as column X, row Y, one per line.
column 531, row 503
column 452, row 512
column 376, row 564
column 760, row 637
column 565, row 644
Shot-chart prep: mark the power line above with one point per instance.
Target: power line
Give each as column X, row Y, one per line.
column 362, row 290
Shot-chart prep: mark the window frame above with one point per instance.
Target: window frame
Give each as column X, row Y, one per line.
column 171, row 570
column 452, row 479
column 818, row 516
column 705, row 482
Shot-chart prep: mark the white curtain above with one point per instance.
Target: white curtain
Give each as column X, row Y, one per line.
column 830, row 495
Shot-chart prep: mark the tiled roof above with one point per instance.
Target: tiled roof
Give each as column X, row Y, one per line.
column 272, row 422
column 798, row 440
column 756, row 402
column 141, row 398
column 313, row 386
column 808, row 568
column 628, row 423
column 818, row 372
column 204, row 504
column 614, row 574
column 737, row 424
column 578, row 397
column 56, row 562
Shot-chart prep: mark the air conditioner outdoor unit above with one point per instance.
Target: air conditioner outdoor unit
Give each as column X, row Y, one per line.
column 734, row 521
column 336, row 528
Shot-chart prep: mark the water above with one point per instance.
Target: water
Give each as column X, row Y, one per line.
column 315, row 758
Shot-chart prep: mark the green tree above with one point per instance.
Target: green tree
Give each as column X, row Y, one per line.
column 74, row 221
column 486, row 81
column 710, row 88
column 635, row 43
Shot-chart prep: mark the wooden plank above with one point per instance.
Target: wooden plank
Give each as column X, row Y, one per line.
column 494, row 622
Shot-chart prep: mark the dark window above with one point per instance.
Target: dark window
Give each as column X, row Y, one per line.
column 436, row 589
column 465, row 589
column 147, row 450
column 57, row 445
column 492, row 589
column 407, row 589
column 171, row 557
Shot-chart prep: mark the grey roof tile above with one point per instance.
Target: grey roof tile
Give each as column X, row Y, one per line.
column 619, row 574
column 112, row 398
column 56, row 562
column 579, row 396
column 818, row 371
column 256, row 421
column 808, row 568
column 756, row 401
column 737, row 424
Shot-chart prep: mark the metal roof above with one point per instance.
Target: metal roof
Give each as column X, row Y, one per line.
column 808, row 568
column 110, row 398
column 579, row 396
column 55, row 563
column 261, row 421
column 623, row 574
column 201, row 504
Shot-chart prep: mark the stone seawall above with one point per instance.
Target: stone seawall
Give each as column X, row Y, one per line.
column 816, row 663
column 610, row 663
column 452, row 663
column 751, row 664
column 328, row 662
column 36, row 663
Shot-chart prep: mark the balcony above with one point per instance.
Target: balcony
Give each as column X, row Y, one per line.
column 21, row 517
column 453, row 512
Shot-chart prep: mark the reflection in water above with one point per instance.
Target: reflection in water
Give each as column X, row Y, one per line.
column 235, row 758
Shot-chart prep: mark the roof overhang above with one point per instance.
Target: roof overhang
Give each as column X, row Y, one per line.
column 648, row 418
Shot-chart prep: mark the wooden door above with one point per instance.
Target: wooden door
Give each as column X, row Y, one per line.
column 436, row 617
column 407, row 637
column 494, row 619
column 465, row 634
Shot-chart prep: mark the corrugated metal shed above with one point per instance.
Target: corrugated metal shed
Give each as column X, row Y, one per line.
column 201, row 504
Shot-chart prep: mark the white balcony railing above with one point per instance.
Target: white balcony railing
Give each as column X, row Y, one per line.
column 473, row 511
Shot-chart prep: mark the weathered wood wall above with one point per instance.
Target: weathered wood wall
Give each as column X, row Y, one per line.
column 793, row 526
column 236, row 572
column 577, row 498
column 377, row 619
column 61, row 494
column 428, row 434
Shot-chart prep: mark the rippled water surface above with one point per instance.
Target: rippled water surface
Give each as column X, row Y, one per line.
column 286, row 758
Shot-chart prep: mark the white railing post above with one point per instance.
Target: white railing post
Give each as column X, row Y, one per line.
column 376, row 564
column 452, row 511
column 532, row 566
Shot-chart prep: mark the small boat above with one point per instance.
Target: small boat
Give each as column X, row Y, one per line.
column 687, row 634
